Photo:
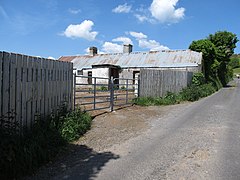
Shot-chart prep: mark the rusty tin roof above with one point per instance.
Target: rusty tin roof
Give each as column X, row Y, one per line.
column 152, row 59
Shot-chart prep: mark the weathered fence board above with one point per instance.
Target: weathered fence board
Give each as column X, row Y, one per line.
column 24, row 90
column 156, row 83
column 1, row 61
column 19, row 89
column 32, row 87
column 5, row 84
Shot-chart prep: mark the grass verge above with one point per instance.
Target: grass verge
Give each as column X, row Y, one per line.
column 236, row 71
column 191, row 93
column 22, row 155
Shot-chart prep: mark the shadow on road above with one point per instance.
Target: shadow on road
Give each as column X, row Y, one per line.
column 81, row 162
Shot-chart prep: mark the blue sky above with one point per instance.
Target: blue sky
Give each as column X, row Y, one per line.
column 53, row 28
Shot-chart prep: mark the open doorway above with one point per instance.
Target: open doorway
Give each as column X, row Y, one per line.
column 114, row 72
column 89, row 77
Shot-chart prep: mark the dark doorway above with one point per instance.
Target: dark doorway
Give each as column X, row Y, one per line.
column 114, row 72
column 89, row 77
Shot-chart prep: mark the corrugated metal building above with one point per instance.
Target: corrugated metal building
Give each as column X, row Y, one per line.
column 128, row 64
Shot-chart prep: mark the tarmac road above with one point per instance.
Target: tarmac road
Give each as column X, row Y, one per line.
column 199, row 141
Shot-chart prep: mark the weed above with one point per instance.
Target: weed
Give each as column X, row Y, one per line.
column 194, row 93
column 103, row 88
column 75, row 124
column 191, row 93
column 198, row 79
column 23, row 154
column 123, row 88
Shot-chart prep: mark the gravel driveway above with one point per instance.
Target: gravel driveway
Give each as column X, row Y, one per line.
column 199, row 140
column 108, row 131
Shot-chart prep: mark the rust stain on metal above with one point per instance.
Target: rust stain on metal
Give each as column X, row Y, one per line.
column 66, row 58
column 166, row 58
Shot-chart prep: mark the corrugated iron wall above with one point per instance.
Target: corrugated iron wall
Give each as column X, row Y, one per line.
column 156, row 83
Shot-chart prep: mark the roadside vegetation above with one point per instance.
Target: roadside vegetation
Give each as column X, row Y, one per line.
column 22, row 154
column 219, row 65
column 217, row 50
column 236, row 71
column 198, row 89
column 235, row 64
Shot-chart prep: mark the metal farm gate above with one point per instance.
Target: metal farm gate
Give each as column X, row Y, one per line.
column 97, row 93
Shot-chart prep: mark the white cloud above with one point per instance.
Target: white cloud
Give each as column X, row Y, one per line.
column 138, row 35
column 74, row 11
column 165, row 11
column 152, row 45
column 141, row 18
column 50, row 57
column 110, row 47
column 83, row 30
column 122, row 8
column 125, row 40
column 144, row 43
column 87, row 51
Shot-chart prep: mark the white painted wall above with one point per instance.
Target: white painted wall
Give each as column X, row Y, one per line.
column 124, row 74
column 101, row 72
column 82, row 80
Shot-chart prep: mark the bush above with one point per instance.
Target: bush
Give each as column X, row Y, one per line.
column 123, row 88
column 170, row 98
column 22, row 155
column 234, row 62
column 216, row 83
column 191, row 93
column 75, row 124
column 103, row 88
column 144, row 101
column 198, row 79
column 194, row 93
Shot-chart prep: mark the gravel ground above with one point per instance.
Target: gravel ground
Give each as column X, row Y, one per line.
column 108, row 131
column 119, row 126
column 199, row 140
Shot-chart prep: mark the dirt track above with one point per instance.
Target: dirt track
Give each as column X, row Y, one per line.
column 198, row 140
column 117, row 127
column 108, row 131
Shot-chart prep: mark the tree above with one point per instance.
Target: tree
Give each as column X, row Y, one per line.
column 234, row 62
column 217, row 50
column 225, row 43
column 209, row 54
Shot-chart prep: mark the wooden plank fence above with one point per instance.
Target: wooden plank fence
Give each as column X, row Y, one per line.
column 156, row 83
column 32, row 87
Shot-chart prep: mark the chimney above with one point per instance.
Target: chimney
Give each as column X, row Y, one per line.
column 127, row 48
column 92, row 51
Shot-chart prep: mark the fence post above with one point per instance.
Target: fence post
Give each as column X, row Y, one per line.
column 94, row 93
column 127, row 92
column 111, row 94
column 74, row 90
column 138, row 86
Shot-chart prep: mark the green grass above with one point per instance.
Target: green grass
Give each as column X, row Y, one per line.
column 236, row 71
column 22, row 155
column 74, row 125
column 191, row 93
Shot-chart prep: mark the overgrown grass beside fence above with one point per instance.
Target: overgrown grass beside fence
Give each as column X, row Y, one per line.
column 22, row 155
column 191, row 93
column 157, row 83
column 198, row 89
